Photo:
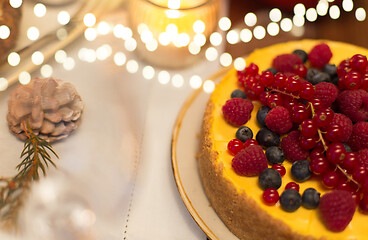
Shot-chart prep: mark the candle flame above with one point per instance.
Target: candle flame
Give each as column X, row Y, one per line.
column 173, row 4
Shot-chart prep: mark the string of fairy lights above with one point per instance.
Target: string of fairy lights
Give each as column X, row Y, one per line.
column 250, row 31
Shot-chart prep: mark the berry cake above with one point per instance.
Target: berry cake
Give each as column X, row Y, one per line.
column 284, row 143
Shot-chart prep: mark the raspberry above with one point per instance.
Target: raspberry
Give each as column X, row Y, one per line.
column 250, row 161
column 363, row 157
column 292, row 150
column 286, row 62
column 326, row 92
column 354, row 104
column 337, row 208
column 359, row 137
column 237, row 111
column 278, row 120
column 345, row 125
column 320, row 55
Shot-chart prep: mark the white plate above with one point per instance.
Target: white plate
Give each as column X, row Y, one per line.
column 184, row 149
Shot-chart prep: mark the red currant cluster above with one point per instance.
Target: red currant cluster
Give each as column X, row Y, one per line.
column 353, row 73
column 320, row 135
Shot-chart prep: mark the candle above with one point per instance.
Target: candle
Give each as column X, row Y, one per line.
column 170, row 33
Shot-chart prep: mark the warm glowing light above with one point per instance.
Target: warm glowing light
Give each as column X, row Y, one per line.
column 163, row 77
column 211, row 54
column 177, row 80
column 37, row 58
column 4, row 32
column 87, row 55
column 299, row 9
column 61, row 33
column 347, row 5
column 103, row 52
column 130, row 44
column 15, row 3
column 33, row 33
column 89, row 19
column 226, row 59
column 246, row 35
column 322, row 7
column 183, row 39
column 164, row 39
column 216, row 39
column 273, row 29
column 195, row 82
column 194, row 49
column 24, row 78
column 200, row 39
column 250, row 19
column 120, row 58
column 286, row 24
column 208, row 86
column 103, row 28
column 232, row 37
column 311, row 14
column 224, row 23
column 13, row 59
column 275, row 15
column 69, row 64
column 173, row 4
column 148, row 72
column 60, row 56
column 152, row 45
column 259, row 32
column 298, row 20
column 46, row 71
column 132, row 66
column 39, row 10
column 118, row 30
column 63, row 17
column 90, row 34
column 360, row 14
column 334, row 12
column 3, row 84
column 239, row 64
column 146, row 36
column 298, row 31
column 199, row 26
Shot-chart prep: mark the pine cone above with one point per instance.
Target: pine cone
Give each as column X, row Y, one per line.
column 10, row 17
column 51, row 107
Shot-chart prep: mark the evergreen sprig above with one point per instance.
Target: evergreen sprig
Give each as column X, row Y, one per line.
column 36, row 157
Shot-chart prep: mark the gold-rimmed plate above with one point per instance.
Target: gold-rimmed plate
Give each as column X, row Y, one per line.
column 184, row 149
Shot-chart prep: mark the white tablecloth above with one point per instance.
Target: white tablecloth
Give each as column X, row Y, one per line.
column 117, row 164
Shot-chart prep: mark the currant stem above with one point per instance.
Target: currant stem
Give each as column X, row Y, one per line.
column 285, row 93
column 325, row 148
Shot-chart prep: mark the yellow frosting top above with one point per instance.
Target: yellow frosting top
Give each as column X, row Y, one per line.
column 303, row 221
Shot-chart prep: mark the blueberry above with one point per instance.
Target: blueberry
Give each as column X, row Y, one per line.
column 238, row 94
column 311, row 73
column 320, row 77
column 300, row 170
column 330, row 69
column 275, row 155
column 261, row 115
column 269, row 178
column 244, row 133
column 302, row 54
column 310, row 198
column 273, row 70
column 267, row 138
column 290, row 200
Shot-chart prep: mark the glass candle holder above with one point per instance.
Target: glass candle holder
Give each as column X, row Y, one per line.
column 171, row 33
